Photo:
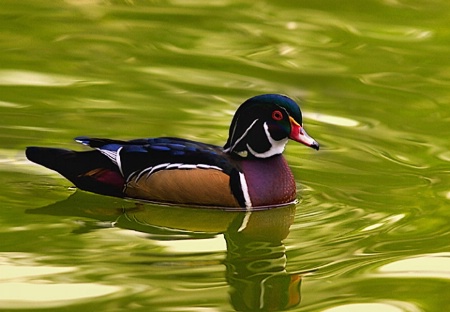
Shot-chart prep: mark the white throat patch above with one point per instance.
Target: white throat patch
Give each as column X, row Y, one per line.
column 277, row 147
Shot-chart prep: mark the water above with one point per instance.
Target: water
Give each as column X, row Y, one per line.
column 370, row 231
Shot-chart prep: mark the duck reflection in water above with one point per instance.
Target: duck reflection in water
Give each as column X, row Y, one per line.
column 255, row 259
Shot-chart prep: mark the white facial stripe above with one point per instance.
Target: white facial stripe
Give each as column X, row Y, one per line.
column 244, row 187
column 277, row 147
column 242, row 136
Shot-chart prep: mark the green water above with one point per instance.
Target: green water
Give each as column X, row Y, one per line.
column 371, row 229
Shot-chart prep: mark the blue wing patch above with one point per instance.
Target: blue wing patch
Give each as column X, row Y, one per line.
column 135, row 156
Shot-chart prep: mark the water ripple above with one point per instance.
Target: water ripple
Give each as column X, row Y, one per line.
column 333, row 120
column 393, row 306
column 21, row 288
column 11, row 105
column 29, row 78
column 36, row 79
column 390, row 32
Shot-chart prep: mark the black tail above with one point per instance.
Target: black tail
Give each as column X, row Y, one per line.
column 90, row 171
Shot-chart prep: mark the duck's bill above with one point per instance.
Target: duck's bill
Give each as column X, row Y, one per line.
column 299, row 134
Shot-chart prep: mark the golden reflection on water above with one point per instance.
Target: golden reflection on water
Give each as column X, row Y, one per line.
column 29, row 78
column 39, row 295
column 214, row 244
column 333, row 120
column 25, row 286
column 367, row 307
column 432, row 266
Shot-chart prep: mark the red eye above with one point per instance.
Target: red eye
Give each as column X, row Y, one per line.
column 277, row 115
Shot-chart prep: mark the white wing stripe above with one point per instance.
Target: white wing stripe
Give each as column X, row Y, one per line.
column 156, row 168
column 168, row 166
column 140, row 174
column 112, row 155
column 202, row 166
column 173, row 166
column 187, row 166
column 118, row 160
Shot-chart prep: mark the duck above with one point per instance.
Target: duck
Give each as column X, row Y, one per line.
column 249, row 171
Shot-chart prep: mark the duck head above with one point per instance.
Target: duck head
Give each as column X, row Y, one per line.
column 262, row 126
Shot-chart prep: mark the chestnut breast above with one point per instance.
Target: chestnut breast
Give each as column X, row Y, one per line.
column 270, row 181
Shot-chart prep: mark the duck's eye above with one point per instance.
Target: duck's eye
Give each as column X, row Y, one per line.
column 277, row 115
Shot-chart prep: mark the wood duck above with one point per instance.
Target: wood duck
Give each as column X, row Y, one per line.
column 248, row 172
